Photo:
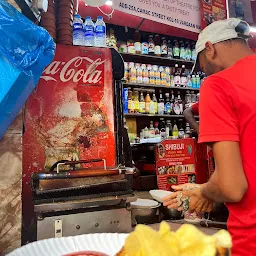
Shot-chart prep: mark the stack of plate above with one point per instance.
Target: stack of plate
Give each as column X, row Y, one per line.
column 65, row 16
column 48, row 19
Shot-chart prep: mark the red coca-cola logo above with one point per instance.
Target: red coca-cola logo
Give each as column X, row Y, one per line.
column 82, row 70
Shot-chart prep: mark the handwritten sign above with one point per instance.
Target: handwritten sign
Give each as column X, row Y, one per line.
column 183, row 14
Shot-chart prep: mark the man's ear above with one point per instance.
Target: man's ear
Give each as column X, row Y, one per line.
column 210, row 50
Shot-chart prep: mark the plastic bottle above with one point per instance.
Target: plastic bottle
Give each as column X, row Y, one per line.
column 78, row 33
column 100, row 33
column 168, row 129
column 155, row 103
column 182, row 51
column 176, row 50
column 193, row 81
column 136, row 102
column 181, row 131
column 180, row 103
column 172, row 101
column 89, row 32
column 147, row 103
column 162, row 128
column 152, row 133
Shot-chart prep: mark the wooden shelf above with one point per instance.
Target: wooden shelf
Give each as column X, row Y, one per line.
column 159, row 116
column 155, row 60
column 160, row 87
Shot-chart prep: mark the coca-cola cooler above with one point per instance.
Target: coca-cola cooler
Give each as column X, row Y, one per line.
column 75, row 113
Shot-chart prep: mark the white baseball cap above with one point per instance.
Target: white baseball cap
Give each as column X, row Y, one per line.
column 220, row 31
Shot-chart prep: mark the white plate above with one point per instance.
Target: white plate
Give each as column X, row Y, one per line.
column 194, row 221
column 159, row 195
column 144, row 203
column 109, row 244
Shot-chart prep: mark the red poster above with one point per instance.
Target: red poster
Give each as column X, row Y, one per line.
column 70, row 115
column 175, row 162
column 212, row 10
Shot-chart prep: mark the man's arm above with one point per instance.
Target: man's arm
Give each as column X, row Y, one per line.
column 189, row 116
column 228, row 183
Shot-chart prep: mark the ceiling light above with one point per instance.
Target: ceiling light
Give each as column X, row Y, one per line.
column 253, row 29
column 109, row 3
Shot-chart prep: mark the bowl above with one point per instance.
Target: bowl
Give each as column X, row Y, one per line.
column 144, row 215
column 170, row 213
column 159, row 195
column 144, row 211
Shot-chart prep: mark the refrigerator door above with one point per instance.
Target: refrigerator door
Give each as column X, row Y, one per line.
column 70, row 115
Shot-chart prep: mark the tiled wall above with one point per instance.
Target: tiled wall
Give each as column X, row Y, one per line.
column 10, row 187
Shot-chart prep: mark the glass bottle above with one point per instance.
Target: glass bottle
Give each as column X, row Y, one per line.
column 155, row 103
column 136, row 101
column 170, row 50
column 164, row 49
column 151, row 45
column 167, row 106
column 157, row 132
column 182, row 51
column 180, row 103
column 168, row 129
column 137, row 40
column 130, row 101
column 160, row 103
column 162, row 128
column 142, row 103
column 177, row 76
column 176, row 50
column 157, row 45
column 172, row 101
column 175, row 131
column 187, row 131
column 152, row 107
column 181, row 130
column 183, row 77
column 151, row 130
column 147, row 103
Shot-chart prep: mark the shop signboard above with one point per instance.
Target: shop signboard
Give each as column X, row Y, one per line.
column 241, row 9
column 184, row 14
column 212, row 10
column 175, row 162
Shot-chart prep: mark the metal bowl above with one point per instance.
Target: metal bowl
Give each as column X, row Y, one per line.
column 143, row 215
column 170, row 213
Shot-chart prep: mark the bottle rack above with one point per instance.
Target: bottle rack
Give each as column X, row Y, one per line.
column 155, row 60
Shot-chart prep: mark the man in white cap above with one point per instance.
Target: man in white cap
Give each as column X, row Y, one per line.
column 228, row 124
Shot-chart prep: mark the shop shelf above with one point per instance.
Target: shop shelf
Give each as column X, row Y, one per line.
column 159, row 87
column 159, row 116
column 155, row 60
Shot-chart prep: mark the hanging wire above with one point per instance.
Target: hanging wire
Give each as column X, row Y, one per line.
column 110, row 15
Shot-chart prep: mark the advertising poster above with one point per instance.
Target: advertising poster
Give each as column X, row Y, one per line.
column 175, row 162
column 240, row 9
column 212, row 10
column 184, row 14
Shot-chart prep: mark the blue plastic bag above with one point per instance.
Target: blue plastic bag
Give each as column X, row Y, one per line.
column 25, row 50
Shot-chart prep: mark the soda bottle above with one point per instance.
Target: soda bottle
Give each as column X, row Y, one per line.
column 100, row 32
column 89, row 32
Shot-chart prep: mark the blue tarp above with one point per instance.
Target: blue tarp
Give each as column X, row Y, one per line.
column 25, row 50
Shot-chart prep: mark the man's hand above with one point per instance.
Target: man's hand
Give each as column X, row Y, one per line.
column 198, row 203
